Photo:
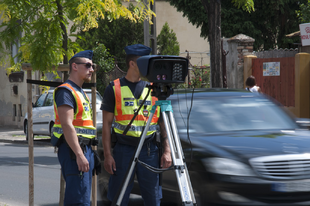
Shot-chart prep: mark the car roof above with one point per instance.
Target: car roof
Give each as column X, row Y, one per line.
column 52, row 90
column 210, row 92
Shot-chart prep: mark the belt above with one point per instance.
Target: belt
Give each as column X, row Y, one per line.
column 87, row 141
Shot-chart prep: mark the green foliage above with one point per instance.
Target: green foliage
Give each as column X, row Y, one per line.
column 304, row 14
column 167, row 42
column 201, row 77
column 268, row 24
column 105, row 63
column 42, row 26
column 244, row 4
column 115, row 35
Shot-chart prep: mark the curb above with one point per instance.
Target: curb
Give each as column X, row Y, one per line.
column 41, row 142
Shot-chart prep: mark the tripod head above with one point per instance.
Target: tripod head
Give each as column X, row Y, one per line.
column 161, row 91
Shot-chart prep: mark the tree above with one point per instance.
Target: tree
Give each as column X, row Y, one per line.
column 303, row 14
column 105, row 61
column 115, row 35
column 210, row 24
column 167, row 42
column 42, row 26
column 268, row 24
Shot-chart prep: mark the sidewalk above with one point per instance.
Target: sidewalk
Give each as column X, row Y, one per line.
column 13, row 134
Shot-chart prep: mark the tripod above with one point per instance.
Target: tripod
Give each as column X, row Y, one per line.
column 185, row 187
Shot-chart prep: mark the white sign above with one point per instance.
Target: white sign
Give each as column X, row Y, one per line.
column 271, row 69
column 305, row 34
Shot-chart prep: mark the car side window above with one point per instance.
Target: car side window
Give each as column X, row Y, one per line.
column 40, row 101
column 49, row 100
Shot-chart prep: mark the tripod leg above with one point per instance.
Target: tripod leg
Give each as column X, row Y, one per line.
column 178, row 143
column 183, row 179
column 133, row 164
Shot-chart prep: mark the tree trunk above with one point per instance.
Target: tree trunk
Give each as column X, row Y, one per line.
column 64, row 35
column 213, row 9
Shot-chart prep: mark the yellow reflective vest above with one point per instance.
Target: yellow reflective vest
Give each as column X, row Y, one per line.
column 126, row 104
column 82, row 121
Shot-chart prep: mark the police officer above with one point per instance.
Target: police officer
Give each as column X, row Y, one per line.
column 74, row 131
column 121, row 98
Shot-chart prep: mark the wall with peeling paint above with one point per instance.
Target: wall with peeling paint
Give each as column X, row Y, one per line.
column 13, row 106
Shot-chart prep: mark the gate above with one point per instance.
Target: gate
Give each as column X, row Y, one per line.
column 282, row 87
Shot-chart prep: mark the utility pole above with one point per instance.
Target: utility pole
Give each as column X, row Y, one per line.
column 150, row 36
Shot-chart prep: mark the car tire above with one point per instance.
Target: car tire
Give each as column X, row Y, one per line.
column 26, row 130
column 51, row 128
column 201, row 189
column 103, row 187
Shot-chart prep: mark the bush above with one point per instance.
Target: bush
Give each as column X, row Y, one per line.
column 105, row 63
column 167, row 43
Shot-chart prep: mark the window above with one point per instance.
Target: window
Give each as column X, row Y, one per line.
column 49, row 100
column 40, row 101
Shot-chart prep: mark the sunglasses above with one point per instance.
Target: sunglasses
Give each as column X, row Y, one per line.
column 88, row 65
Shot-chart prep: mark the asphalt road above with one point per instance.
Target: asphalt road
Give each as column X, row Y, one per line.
column 14, row 176
column 14, row 171
column 14, row 167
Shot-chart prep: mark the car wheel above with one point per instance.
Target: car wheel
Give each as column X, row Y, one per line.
column 51, row 128
column 103, row 185
column 201, row 191
column 26, row 130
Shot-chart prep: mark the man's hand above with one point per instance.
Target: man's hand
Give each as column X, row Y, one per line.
column 109, row 164
column 165, row 161
column 82, row 163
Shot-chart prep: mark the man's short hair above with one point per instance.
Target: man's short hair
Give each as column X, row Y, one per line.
column 133, row 52
column 131, row 57
column 74, row 60
column 250, row 81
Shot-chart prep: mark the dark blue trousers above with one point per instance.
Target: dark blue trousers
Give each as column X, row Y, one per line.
column 78, row 186
column 148, row 181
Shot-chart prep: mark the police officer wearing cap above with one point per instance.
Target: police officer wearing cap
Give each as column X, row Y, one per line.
column 74, row 131
column 121, row 99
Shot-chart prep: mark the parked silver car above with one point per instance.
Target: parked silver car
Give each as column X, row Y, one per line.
column 43, row 113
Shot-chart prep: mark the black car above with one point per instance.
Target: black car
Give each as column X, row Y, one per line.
column 240, row 148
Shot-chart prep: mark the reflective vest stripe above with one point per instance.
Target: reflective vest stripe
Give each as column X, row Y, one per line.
column 79, row 131
column 118, row 104
column 134, row 128
column 80, row 122
column 79, row 116
column 118, row 97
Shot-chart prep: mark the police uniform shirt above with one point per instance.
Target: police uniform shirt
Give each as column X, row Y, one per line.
column 108, row 104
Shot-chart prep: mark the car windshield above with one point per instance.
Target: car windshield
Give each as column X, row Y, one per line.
column 222, row 114
column 98, row 97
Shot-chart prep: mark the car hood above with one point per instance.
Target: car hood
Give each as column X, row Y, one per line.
column 254, row 143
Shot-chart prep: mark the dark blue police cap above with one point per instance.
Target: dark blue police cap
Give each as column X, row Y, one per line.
column 84, row 54
column 138, row 50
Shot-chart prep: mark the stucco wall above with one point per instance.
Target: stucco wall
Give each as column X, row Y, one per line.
column 188, row 35
column 12, row 106
column 237, row 47
column 231, row 63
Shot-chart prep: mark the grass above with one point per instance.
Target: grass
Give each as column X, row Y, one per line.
column 35, row 136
